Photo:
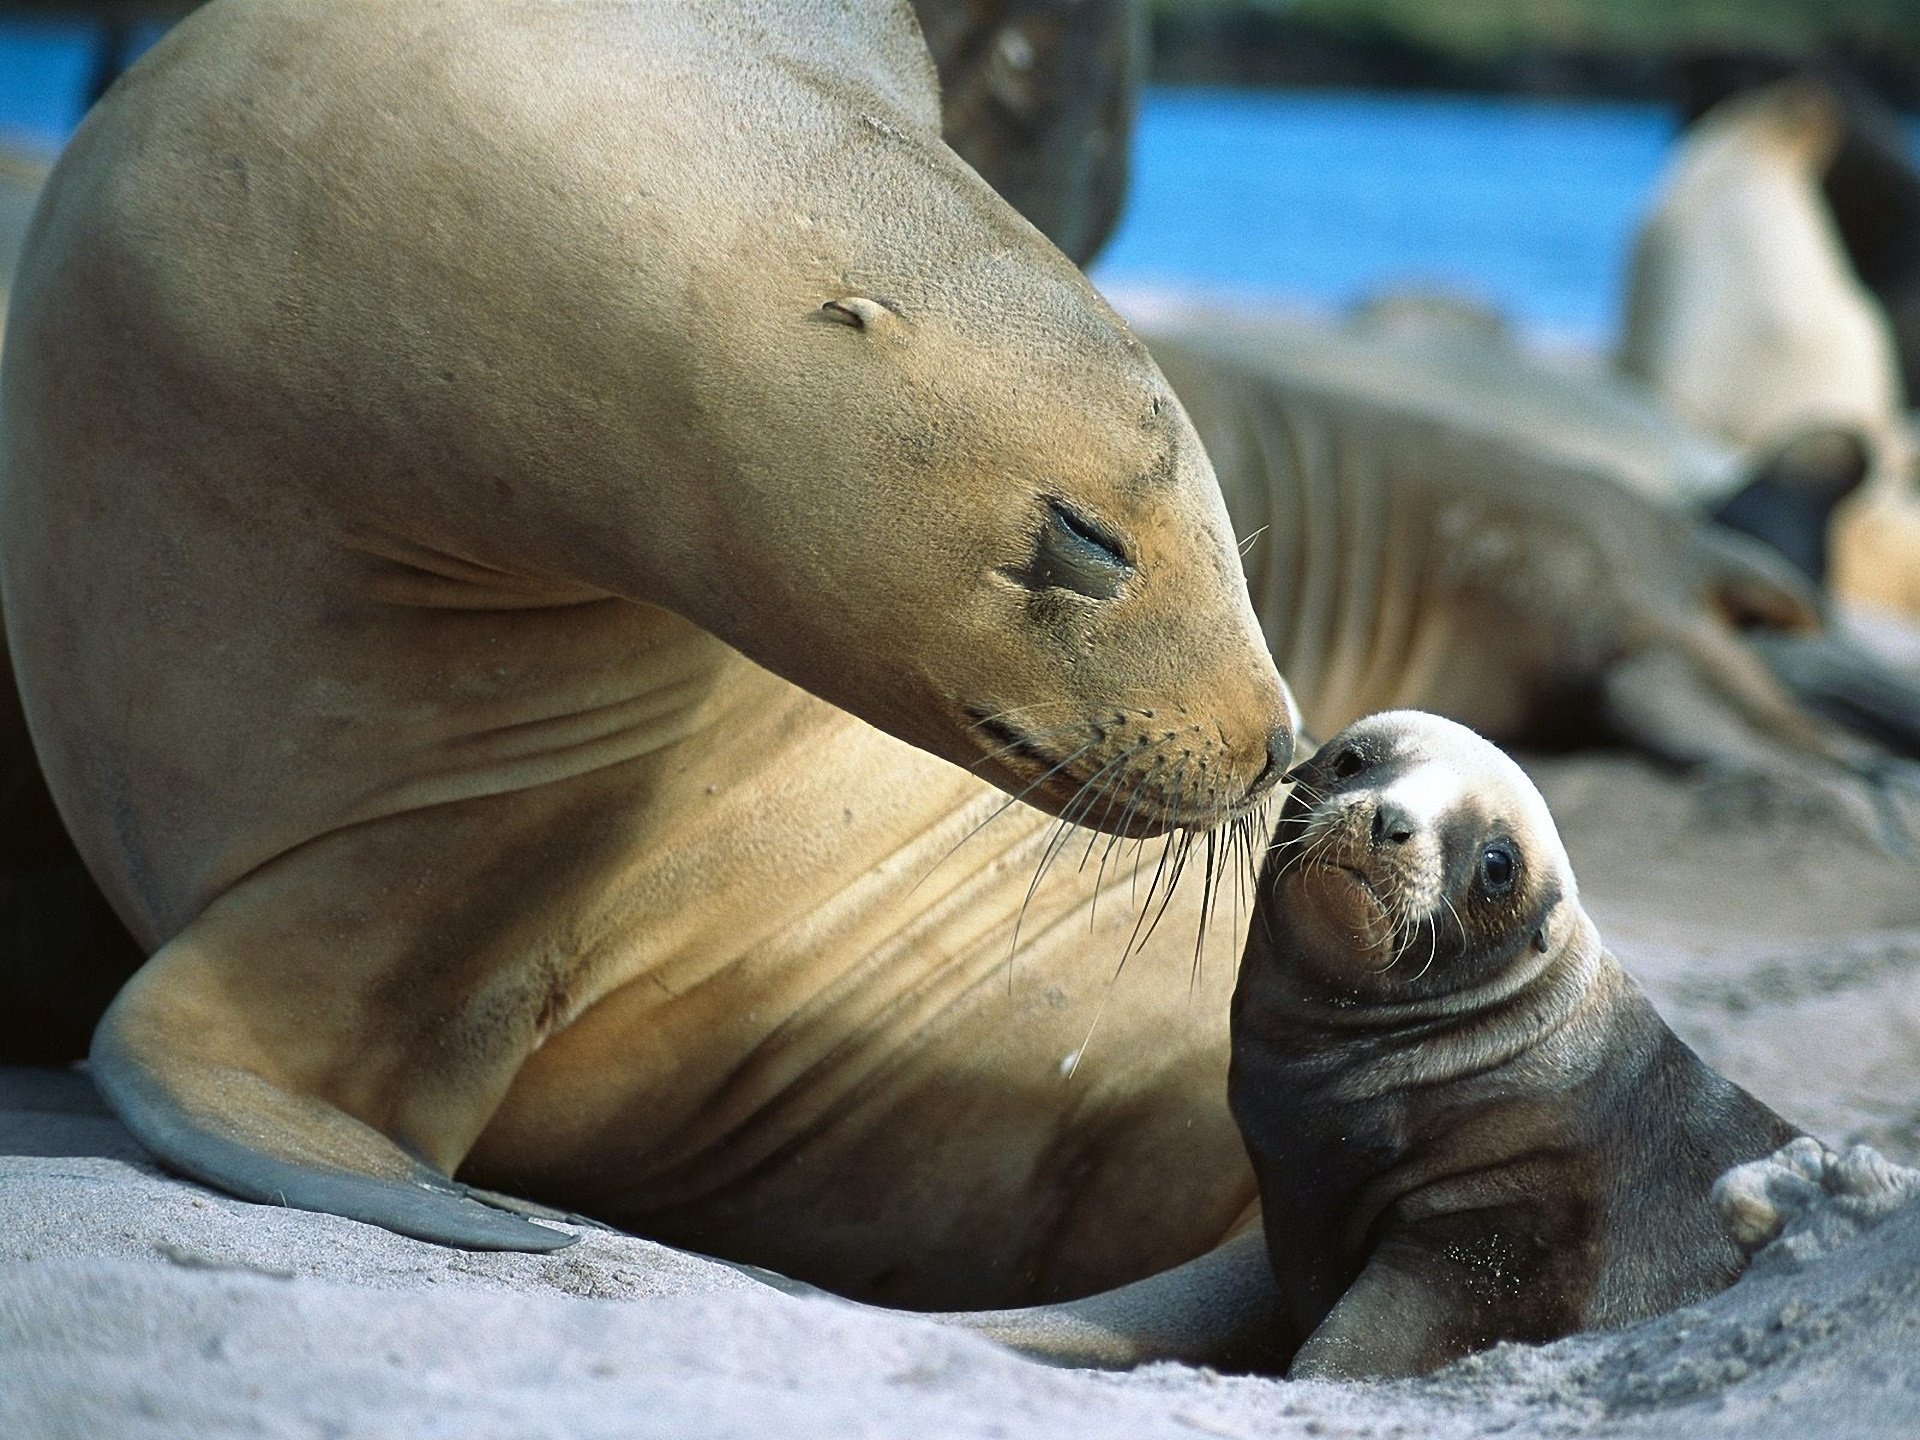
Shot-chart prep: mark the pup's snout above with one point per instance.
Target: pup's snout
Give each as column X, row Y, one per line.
column 1391, row 824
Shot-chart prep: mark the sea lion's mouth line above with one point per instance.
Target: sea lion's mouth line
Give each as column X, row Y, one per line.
column 1365, row 882
column 1388, row 914
column 1013, row 741
column 1086, row 763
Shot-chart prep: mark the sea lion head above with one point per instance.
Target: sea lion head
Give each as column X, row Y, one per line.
column 1414, row 861
column 692, row 306
column 963, row 502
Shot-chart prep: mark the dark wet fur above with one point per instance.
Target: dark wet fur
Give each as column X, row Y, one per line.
column 1410, row 1225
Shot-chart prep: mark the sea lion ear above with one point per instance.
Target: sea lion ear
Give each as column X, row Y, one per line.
column 856, row 311
column 1540, row 939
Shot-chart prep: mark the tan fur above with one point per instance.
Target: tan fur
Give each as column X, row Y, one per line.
column 1745, row 314
column 464, row 433
column 1874, row 548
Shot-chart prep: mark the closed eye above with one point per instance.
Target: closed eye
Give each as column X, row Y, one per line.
column 1073, row 552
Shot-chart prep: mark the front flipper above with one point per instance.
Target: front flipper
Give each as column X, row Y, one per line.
column 1405, row 1316
column 205, row 1082
column 1220, row 1309
column 1848, row 685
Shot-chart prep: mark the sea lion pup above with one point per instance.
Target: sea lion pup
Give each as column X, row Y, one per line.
column 509, row 428
column 1469, row 1124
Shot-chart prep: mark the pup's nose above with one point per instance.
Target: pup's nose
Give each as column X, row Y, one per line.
column 1391, row 824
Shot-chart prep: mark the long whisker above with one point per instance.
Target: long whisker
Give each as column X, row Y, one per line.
column 1070, row 814
column 1002, row 809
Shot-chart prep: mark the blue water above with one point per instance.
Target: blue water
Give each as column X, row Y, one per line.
column 1324, row 198
column 1318, row 199
column 43, row 74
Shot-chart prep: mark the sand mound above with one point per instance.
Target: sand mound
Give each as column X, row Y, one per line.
column 135, row 1305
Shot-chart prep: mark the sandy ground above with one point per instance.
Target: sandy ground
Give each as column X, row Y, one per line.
column 1776, row 935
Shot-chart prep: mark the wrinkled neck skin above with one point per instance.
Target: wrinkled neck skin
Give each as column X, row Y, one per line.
column 1343, row 1047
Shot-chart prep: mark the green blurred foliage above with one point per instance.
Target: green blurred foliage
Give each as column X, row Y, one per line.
column 1490, row 28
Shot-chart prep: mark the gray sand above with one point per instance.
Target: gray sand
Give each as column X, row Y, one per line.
column 1769, row 927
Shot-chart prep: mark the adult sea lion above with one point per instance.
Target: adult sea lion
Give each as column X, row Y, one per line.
column 1872, row 186
column 1468, row 1123
column 1742, row 310
column 1744, row 313
column 1462, row 359
column 1462, row 539
column 477, row 393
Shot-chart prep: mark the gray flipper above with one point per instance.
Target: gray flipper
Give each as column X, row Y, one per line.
column 1394, row 1322
column 1719, row 691
column 215, row 1139
column 1789, row 500
column 1673, row 708
column 1221, row 1309
column 1840, row 680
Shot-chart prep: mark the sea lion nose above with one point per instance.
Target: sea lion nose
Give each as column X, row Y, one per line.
column 1391, row 824
column 1279, row 757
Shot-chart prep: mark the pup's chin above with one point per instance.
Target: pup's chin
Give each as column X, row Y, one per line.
column 1341, row 920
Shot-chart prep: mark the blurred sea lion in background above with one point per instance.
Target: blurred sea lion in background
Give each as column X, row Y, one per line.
column 1742, row 310
column 1039, row 96
column 1745, row 314
column 1464, row 357
column 1448, row 525
column 1871, row 184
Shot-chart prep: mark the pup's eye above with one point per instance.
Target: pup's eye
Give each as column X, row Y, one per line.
column 1496, row 869
column 1076, row 553
column 1347, row 764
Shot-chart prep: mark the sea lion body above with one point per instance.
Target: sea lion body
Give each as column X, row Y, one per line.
column 1742, row 309
column 1468, row 1123
column 1872, row 186
column 1414, row 544
column 1745, row 313
column 486, row 404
